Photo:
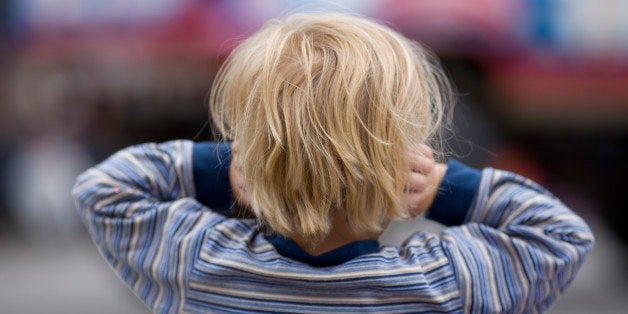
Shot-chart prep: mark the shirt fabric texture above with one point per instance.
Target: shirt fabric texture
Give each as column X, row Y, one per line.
column 159, row 215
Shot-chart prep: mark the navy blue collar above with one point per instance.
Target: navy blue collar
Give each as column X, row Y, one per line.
column 290, row 249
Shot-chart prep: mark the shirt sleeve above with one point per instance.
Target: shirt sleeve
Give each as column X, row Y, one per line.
column 211, row 161
column 514, row 246
column 140, row 209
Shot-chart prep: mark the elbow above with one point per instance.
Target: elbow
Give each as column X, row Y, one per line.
column 569, row 255
column 81, row 193
column 579, row 238
column 92, row 193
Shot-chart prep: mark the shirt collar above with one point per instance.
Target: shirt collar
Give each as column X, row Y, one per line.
column 290, row 249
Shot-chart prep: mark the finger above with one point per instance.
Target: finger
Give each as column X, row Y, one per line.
column 426, row 151
column 422, row 150
column 416, row 182
column 415, row 204
column 235, row 162
column 420, row 164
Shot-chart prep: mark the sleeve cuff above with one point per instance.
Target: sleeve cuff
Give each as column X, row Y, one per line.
column 453, row 201
column 210, row 163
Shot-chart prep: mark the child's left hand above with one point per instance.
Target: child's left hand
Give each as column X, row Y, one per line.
column 423, row 181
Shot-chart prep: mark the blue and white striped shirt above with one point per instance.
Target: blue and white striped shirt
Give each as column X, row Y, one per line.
column 154, row 211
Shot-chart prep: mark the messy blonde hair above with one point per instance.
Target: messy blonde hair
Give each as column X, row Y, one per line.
column 325, row 108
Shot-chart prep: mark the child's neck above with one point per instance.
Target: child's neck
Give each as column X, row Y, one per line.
column 340, row 235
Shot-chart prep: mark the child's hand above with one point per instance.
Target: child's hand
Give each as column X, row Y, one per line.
column 236, row 179
column 423, row 181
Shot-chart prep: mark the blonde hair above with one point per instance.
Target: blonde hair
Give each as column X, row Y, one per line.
column 324, row 108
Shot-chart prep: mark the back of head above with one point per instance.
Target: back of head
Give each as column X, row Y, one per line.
column 325, row 107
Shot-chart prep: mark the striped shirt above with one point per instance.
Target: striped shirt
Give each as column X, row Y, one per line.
column 156, row 213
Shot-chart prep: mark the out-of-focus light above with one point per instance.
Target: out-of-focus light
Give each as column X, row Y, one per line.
column 69, row 13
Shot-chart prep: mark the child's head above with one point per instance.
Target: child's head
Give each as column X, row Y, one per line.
column 325, row 107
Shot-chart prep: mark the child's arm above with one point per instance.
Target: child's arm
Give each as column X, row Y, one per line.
column 140, row 209
column 513, row 245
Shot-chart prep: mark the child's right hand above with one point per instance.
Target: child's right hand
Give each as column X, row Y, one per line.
column 423, row 181
column 236, row 179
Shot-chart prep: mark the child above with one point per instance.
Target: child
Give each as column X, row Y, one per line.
column 330, row 113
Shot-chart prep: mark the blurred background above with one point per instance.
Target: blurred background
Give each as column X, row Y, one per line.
column 543, row 91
